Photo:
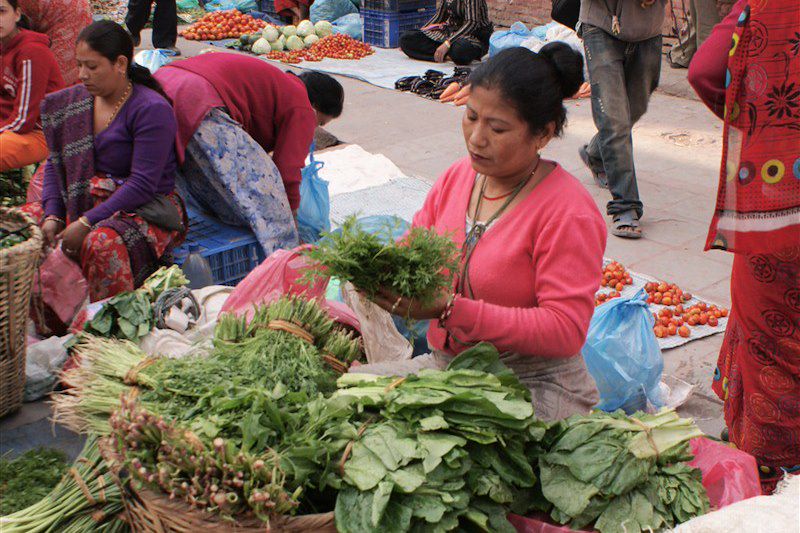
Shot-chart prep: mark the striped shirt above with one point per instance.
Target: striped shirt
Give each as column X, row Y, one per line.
column 460, row 19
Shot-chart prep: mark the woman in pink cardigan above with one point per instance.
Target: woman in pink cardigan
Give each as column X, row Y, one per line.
column 534, row 236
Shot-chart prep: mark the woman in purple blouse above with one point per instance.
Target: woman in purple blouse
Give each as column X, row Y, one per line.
column 109, row 181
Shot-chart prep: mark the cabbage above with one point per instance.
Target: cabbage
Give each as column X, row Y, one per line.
column 271, row 33
column 295, row 43
column 262, row 46
column 323, row 28
column 289, row 30
column 279, row 44
column 305, row 28
column 310, row 40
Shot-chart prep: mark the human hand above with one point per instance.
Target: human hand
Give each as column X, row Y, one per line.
column 441, row 52
column 51, row 228
column 72, row 240
column 407, row 307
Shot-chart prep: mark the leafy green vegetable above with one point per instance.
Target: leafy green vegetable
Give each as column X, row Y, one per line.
column 28, row 478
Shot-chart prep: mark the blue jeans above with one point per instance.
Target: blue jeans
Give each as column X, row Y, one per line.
column 623, row 76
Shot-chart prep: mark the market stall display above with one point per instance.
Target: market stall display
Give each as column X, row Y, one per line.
column 337, row 46
column 28, row 478
column 222, row 25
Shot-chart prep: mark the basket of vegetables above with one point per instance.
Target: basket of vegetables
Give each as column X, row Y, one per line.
column 20, row 246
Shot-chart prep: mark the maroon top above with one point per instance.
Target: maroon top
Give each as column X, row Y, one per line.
column 710, row 62
column 271, row 105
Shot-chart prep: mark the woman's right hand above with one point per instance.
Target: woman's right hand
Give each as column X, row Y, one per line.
column 51, row 228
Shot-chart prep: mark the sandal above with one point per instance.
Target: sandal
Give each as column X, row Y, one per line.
column 626, row 225
column 599, row 175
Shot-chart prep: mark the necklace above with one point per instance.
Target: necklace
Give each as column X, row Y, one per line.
column 495, row 198
column 121, row 101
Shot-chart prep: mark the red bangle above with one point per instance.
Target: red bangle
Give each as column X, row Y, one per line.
column 448, row 310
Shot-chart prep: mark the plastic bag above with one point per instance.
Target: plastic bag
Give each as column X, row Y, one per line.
column 623, row 355
column 331, row 10
column 34, row 192
column 154, row 59
column 500, row 40
column 349, row 25
column 314, row 213
column 245, row 6
column 61, row 285
column 186, row 5
column 277, row 276
column 729, row 476
column 43, row 362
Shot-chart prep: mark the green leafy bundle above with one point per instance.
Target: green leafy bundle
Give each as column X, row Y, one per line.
column 418, row 266
column 446, row 450
column 621, row 473
column 129, row 315
column 28, row 478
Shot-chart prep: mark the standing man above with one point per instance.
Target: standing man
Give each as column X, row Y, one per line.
column 623, row 50
column 703, row 17
column 165, row 22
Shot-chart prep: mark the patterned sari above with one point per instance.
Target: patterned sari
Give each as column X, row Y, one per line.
column 758, row 218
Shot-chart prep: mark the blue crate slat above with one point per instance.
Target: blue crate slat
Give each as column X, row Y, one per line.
column 230, row 251
column 398, row 6
column 384, row 29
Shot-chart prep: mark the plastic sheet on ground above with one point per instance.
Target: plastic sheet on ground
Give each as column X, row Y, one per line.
column 351, row 168
column 401, row 198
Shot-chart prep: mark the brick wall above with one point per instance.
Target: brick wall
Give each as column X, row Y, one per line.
column 534, row 12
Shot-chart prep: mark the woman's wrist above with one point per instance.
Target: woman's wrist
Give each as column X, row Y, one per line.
column 84, row 221
column 447, row 311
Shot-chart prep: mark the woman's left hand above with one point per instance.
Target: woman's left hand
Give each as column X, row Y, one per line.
column 408, row 308
column 441, row 53
column 72, row 240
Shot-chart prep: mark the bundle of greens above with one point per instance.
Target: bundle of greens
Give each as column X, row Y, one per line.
column 9, row 239
column 621, row 473
column 85, row 500
column 28, row 478
column 129, row 315
column 418, row 266
column 445, row 450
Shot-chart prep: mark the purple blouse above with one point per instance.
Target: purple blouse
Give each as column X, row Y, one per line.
column 137, row 150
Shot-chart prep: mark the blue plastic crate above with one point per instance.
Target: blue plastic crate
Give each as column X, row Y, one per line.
column 398, row 6
column 384, row 29
column 230, row 251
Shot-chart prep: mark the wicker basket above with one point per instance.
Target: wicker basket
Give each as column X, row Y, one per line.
column 17, row 266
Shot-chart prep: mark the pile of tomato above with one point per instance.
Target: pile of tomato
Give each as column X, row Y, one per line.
column 603, row 297
column 615, row 276
column 223, row 25
column 338, row 46
column 666, row 294
column 677, row 320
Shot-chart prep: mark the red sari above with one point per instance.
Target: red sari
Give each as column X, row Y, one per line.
column 758, row 218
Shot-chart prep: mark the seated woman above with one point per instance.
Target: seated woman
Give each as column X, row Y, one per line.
column 232, row 111
column 109, row 179
column 29, row 71
column 460, row 30
column 532, row 238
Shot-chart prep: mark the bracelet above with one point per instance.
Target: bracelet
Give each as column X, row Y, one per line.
column 54, row 219
column 448, row 310
column 447, row 42
column 85, row 222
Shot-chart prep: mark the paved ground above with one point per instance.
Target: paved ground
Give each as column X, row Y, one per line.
column 677, row 150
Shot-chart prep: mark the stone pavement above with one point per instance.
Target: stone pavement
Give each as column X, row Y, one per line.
column 677, row 149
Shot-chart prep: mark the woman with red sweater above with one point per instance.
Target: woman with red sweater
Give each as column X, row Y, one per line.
column 233, row 111
column 29, row 72
column 532, row 238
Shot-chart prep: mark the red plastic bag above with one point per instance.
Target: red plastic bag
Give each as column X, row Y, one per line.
column 59, row 292
column 729, row 476
column 279, row 275
column 34, row 193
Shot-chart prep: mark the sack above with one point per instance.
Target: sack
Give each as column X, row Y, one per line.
column 567, row 12
column 153, row 59
column 331, row 10
column 314, row 213
column 623, row 355
column 349, row 25
column 514, row 36
column 61, row 286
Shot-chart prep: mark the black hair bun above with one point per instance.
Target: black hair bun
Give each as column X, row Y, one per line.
column 568, row 64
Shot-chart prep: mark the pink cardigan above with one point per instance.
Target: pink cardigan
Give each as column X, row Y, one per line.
column 534, row 272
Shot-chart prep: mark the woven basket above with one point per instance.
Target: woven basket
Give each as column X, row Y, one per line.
column 17, row 266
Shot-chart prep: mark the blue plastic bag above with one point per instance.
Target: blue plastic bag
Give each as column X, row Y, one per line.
column 154, row 59
column 314, row 213
column 330, row 10
column 349, row 25
column 623, row 355
column 514, row 36
column 245, row 6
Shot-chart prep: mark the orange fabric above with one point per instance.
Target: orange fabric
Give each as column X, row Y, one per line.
column 17, row 151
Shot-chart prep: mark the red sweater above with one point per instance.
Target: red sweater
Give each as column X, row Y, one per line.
column 29, row 73
column 534, row 272
column 271, row 105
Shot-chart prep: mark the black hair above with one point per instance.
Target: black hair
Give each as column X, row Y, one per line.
column 325, row 93
column 111, row 40
column 535, row 84
column 24, row 22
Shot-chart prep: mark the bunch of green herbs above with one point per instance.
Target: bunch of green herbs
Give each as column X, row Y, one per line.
column 28, row 478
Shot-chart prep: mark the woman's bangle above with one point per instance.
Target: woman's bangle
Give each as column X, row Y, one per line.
column 448, row 310
column 85, row 222
column 447, row 42
column 54, row 219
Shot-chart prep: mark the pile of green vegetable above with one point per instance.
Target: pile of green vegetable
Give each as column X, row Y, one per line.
column 418, row 266
column 129, row 315
column 14, row 186
column 9, row 239
column 28, row 478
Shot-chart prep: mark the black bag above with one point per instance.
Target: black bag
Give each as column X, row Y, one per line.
column 567, row 12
